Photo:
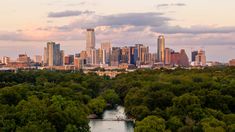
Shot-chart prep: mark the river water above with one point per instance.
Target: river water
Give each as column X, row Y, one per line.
column 108, row 124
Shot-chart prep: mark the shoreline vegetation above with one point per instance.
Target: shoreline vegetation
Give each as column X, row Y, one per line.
column 160, row 100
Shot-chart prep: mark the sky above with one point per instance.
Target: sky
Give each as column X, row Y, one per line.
column 27, row 25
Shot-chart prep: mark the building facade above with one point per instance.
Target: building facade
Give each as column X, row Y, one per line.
column 161, row 49
column 200, row 58
column 107, row 47
column 90, row 41
column 53, row 56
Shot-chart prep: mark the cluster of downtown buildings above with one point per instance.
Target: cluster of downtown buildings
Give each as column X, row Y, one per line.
column 137, row 56
column 108, row 57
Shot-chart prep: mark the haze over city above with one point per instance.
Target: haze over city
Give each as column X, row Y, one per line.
column 27, row 25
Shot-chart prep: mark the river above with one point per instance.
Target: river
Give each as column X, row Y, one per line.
column 108, row 123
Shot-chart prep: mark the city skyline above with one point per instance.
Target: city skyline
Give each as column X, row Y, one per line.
column 185, row 24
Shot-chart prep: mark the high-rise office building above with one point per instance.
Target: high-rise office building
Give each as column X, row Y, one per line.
column 133, row 55
column 107, row 47
column 45, row 56
column 194, row 54
column 144, row 54
column 115, row 56
column 53, row 56
column 179, row 58
column 104, row 57
column 138, row 46
column 149, row 58
column 100, row 56
column 184, row 60
column 62, row 59
column 168, row 56
column 50, row 53
column 90, row 41
column 201, row 58
column 93, row 56
column 175, row 58
column 161, row 49
column 124, row 54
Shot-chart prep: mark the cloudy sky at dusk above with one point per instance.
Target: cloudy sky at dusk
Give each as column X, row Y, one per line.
column 26, row 25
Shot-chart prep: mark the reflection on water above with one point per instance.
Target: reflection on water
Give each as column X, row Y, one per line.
column 108, row 125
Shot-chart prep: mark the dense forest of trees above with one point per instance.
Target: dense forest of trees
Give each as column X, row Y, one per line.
column 160, row 100
column 180, row 100
column 48, row 101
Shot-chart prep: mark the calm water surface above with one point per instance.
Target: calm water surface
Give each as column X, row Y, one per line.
column 108, row 125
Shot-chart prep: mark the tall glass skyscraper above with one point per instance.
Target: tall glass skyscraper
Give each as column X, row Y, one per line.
column 53, row 56
column 194, row 54
column 161, row 49
column 90, row 41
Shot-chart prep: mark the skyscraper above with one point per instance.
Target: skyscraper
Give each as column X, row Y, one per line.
column 115, row 56
column 124, row 54
column 100, row 56
column 144, row 54
column 194, row 54
column 107, row 47
column 168, row 56
column 201, row 58
column 45, row 57
column 90, row 41
column 93, row 56
column 161, row 49
column 138, row 46
column 53, row 56
column 184, row 60
column 50, row 53
column 179, row 58
column 57, row 56
column 62, row 59
column 175, row 58
column 133, row 55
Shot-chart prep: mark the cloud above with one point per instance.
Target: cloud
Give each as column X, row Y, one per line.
column 12, row 36
column 197, row 29
column 156, row 22
column 172, row 4
column 133, row 19
column 68, row 13
column 138, row 26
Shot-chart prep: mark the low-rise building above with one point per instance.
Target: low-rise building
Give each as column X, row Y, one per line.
column 232, row 62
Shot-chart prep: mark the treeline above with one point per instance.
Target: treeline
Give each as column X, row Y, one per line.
column 160, row 100
column 179, row 100
column 48, row 101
